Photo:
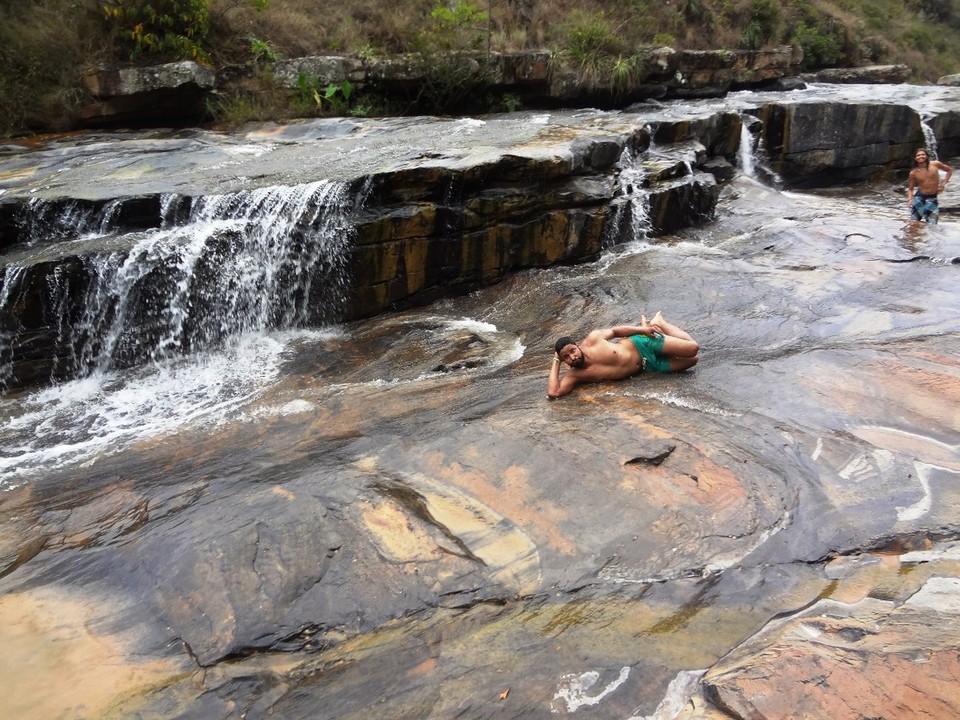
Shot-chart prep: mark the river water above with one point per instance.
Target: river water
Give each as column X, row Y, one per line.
column 822, row 419
column 76, row 421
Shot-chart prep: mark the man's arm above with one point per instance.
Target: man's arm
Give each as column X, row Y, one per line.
column 911, row 181
column 948, row 170
column 559, row 386
column 628, row 330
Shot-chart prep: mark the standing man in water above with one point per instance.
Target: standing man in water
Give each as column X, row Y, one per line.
column 924, row 184
column 656, row 346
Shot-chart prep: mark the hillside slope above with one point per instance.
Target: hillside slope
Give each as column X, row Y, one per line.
column 46, row 45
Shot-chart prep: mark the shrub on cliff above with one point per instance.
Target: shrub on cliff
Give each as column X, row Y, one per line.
column 158, row 27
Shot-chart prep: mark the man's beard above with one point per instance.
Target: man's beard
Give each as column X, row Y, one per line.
column 579, row 362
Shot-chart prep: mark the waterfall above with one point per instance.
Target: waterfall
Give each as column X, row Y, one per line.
column 10, row 277
column 929, row 138
column 745, row 152
column 630, row 219
column 41, row 220
column 761, row 166
column 232, row 264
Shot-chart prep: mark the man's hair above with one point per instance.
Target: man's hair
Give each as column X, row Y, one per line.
column 563, row 342
column 924, row 150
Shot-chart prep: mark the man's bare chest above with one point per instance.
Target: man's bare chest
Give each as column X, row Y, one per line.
column 926, row 176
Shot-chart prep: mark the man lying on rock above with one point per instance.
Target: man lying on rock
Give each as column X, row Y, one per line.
column 656, row 346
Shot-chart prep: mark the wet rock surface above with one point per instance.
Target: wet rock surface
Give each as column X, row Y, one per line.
column 769, row 533
column 387, row 518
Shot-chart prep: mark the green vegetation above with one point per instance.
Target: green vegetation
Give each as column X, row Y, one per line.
column 764, row 23
column 47, row 45
column 261, row 51
column 335, row 97
column 159, row 27
column 445, row 54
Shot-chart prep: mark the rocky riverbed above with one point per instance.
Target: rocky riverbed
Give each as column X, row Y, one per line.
column 392, row 520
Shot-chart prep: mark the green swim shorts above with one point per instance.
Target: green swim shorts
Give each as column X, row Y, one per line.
column 650, row 348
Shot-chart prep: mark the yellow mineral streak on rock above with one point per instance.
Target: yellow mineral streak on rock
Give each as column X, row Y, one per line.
column 510, row 556
column 396, row 537
column 887, row 575
column 284, row 493
column 366, row 464
column 54, row 666
column 514, row 498
column 862, row 580
column 18, row 174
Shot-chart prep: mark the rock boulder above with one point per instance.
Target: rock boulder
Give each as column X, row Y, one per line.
column 173, row 93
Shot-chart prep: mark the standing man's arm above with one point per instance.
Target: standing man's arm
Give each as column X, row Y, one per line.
column 911, row 181
column 948, row 170
column 557, row 386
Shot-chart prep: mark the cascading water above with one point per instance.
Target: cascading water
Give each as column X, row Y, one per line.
column 243, row 262
column 929, row 137
column 631, row 211
column 745, row 152
column 42, row 220
column 227, row 287
column 760, row 165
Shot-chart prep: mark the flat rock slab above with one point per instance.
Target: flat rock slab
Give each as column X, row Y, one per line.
column 850, row 662
column 202, row 162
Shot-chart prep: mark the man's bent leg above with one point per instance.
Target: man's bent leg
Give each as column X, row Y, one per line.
column 679, row 364
column 668, row 329
column 677, row 343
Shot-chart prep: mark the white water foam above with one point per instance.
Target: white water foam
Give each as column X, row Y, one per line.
column 672, row 398
column 574, row 689
column 680, row 691
column 466, row 126
column 244, row 262
column 79, row 421
column 507, row 349
column 631, row 212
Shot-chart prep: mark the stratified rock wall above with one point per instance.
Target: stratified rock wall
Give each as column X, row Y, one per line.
column 411, row 230
column 172, row 93
column 824, row 144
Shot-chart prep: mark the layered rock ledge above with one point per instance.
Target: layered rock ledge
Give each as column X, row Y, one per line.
column 176, row 93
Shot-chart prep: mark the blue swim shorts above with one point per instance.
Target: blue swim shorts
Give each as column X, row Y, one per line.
column 925, row 207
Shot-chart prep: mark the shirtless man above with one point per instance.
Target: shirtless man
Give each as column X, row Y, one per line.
column 923, row 185
column 603, row 355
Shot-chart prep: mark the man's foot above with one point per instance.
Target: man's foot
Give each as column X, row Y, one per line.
column 665, row 328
